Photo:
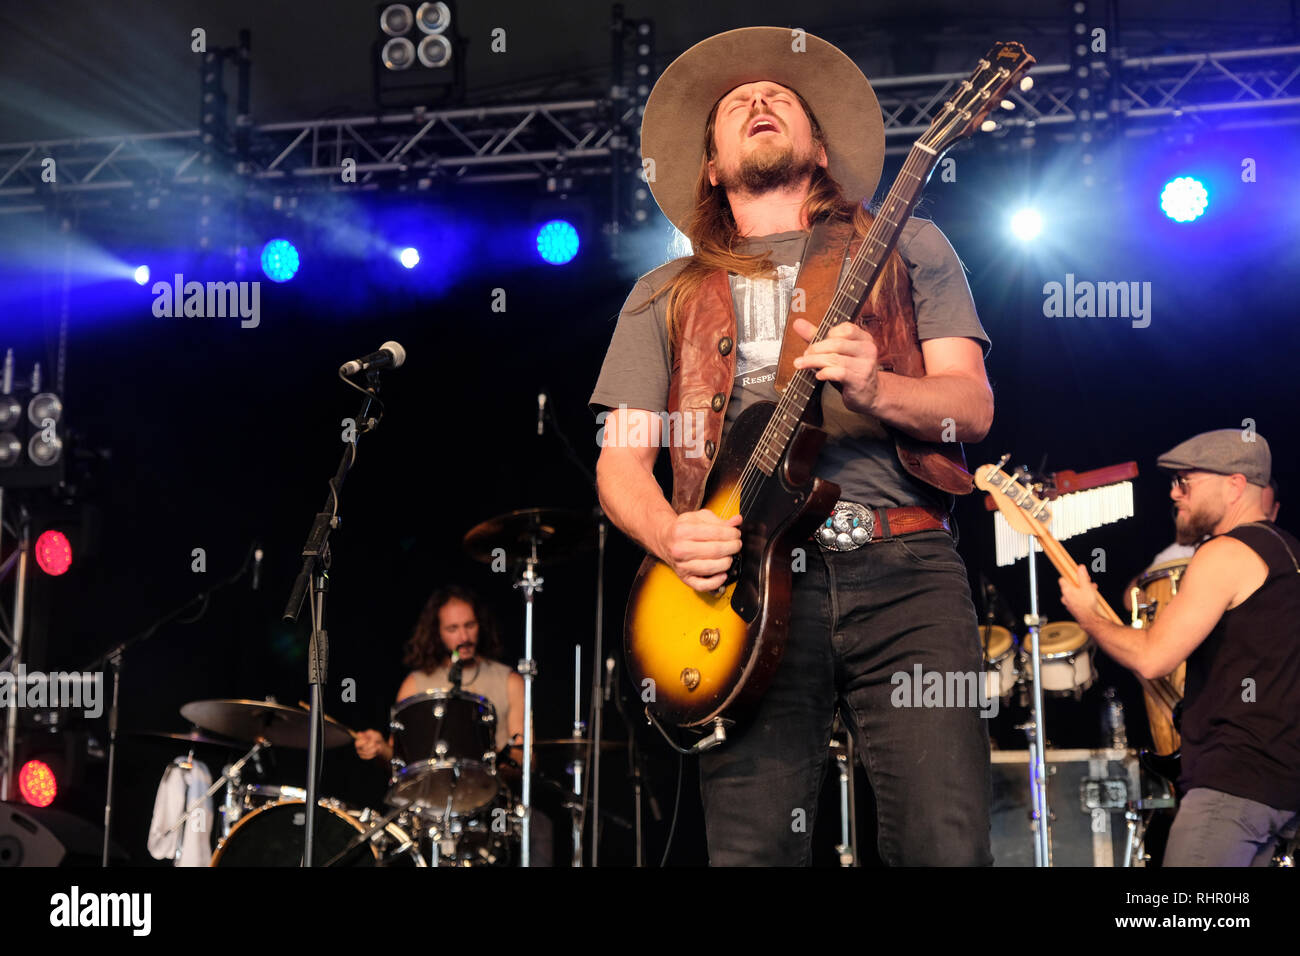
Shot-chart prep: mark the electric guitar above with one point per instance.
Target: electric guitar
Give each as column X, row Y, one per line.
column 697, row 655
column 1028, row 513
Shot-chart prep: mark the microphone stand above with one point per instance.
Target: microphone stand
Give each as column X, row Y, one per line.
column 114, row 657
column 315, row 570
column 598, row 688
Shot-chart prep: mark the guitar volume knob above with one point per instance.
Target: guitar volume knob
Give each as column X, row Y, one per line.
column 690, row 678
column 709, row 637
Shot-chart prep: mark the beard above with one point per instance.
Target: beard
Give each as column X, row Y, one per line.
column 769, row 169
column 1194, row 524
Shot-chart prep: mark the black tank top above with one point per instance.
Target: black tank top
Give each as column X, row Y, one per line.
column 1241, row 708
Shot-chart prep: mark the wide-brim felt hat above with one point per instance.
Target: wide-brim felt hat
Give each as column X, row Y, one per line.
column 672, row 130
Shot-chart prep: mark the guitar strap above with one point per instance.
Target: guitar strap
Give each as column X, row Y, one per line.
column 814, row 289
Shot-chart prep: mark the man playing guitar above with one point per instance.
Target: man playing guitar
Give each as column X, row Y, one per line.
column 1234, row 622
column 754, row 140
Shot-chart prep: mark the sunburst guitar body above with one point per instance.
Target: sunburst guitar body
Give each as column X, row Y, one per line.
column 704, row 653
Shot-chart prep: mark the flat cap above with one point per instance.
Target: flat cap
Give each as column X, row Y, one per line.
column 1227, row 451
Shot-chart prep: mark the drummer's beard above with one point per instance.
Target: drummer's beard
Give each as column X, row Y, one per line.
column 465, row 652
column 1193, row 524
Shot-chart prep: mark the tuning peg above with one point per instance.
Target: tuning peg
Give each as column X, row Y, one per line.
column 988, row 126
column 1026, row 84
column 1008, row 105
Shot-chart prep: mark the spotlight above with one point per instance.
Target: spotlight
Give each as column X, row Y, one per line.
column 11, row 411
column 396, row 19
column 1026, row 224
column 11, row 449
column 398, row 53
column 433, row 17
column 279, row 260
column 557, row 242
column 53, row 552
column 37, row 783
column 142, row 275
column 434, row 51
column 409, row 257
column 1184, row 199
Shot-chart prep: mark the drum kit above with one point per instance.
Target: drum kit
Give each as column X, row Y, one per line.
column 455, row 801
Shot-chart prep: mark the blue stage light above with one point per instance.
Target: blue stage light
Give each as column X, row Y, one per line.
column 279, row 260
column 557, row 242
column 1184, row 199
column 142, row 275
column 1026, row 224
column 409, row 257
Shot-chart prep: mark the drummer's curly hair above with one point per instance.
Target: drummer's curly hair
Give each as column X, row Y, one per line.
column 425, row 650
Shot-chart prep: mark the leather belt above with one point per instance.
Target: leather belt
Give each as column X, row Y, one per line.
column 851, row 525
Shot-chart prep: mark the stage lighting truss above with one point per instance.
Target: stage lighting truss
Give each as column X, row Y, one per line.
column 538, row 139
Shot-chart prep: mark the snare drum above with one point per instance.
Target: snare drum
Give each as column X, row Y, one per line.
column 999, row 661
column 444, row 756
column 273, row 836
column 1065, row 658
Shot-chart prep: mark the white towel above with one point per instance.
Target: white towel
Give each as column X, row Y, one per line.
column 178, row 790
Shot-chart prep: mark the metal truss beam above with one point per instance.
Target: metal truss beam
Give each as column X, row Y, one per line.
column 535, row 141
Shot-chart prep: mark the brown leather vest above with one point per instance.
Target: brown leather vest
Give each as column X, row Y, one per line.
column 704, row 369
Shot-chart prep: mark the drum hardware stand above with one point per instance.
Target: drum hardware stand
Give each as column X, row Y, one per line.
column 579, row 731
column 229, row 779
column 529, row 582
column 1037, row 729
column 847, row 848
column 361, row 839
column 315, row 570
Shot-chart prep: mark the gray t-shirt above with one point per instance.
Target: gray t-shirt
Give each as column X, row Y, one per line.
column 637, row 367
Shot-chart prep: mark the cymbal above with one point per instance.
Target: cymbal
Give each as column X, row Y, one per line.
column 193, row 737
column 249, row 719
column 560, row 534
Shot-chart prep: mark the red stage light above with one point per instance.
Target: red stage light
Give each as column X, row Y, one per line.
column 53, row 552
column 37, row 784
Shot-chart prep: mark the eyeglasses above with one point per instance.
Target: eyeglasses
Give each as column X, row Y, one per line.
column 1181, row 483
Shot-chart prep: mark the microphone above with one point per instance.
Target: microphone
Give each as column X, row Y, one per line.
column 390, row 355
column 454, row 671
column 257, row 567
column 541, row 411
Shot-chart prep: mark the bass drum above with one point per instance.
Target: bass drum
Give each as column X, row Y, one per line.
column 273, row 836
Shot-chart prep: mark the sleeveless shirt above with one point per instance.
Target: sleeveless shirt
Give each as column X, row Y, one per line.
column 1241, row 710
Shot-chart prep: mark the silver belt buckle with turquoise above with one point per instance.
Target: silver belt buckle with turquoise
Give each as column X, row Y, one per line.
column 849, row 527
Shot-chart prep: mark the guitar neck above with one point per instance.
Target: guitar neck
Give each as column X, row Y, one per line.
column 1160, row 689
column 852, row 292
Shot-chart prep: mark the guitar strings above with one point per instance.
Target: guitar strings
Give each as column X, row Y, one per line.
column 752, row 477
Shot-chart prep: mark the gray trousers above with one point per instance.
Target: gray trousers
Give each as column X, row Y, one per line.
column 1214, row 828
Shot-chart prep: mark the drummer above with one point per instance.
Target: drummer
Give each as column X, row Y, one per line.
column 452, row 624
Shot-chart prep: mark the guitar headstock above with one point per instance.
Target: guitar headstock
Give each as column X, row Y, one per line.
column 1003, row 67
column 1015, row 500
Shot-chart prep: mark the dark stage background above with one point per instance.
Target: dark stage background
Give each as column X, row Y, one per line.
column 214, row 436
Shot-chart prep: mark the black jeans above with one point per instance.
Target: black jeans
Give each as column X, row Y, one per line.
column 859, row 619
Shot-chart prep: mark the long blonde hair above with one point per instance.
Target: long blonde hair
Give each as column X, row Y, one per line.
column 713, row 233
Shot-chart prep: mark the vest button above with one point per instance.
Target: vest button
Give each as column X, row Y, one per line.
column 724, row 345
column 718, row 401
column 709, row 450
